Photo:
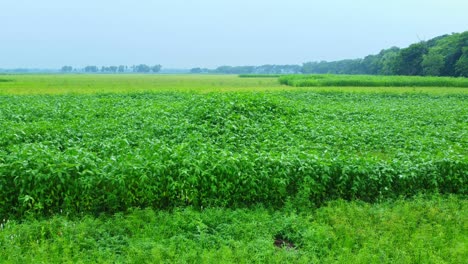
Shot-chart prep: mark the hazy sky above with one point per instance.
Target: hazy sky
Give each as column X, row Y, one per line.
column 209, row 33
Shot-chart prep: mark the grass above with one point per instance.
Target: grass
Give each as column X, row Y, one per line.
column 419, row 230
column 320, row 80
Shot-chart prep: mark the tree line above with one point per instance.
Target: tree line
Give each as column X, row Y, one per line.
column 445, row 55
column 263, row 69
column 141, row 68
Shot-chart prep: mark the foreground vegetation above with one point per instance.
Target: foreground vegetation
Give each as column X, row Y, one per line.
column 421, row 230
column 110, row 152
column 260, row 173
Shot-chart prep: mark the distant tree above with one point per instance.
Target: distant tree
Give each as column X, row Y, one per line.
column 432, row 63
column 461, row 67
column 67, row 69
column 196, row 70
column 234, row 69
column 243, row 69
column 452, row 48
column 112, row 69
column 224, row 69
column 156, row 68
column 435, row 41
column 371, row 64
column 276, row 69
column 142, row 68
column 389, row 61
column 409, row 59
column 121, row 68
column 309, row 67
column 336, row 67
column 264, row 69
column 289, row 69
column 91, row 69
column 201, row 70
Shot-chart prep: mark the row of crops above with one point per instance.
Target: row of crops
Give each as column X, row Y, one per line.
column 107, row 153
column 314, row 80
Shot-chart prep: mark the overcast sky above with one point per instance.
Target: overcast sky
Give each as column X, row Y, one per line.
column 209, row 33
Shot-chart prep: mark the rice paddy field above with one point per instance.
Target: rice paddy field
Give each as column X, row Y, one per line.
column 223, row 169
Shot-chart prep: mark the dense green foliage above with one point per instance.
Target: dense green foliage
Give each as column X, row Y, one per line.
column 320, row 80
column 441, row 56
column 107, row 153
column 423, row 230
column 66, row 159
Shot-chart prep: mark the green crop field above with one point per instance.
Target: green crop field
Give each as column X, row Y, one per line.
column 134, row 83
column 209, row 168
column 131, row 83
column 318, row 80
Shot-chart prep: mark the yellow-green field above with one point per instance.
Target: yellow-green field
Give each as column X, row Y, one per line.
column 90, row 84
column 131, row 83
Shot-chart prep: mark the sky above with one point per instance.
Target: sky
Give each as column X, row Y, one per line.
column 210, row 33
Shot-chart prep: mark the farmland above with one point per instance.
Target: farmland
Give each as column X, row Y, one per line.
column 132, row 83
column 140, row 83
column 318, row 80
column 310, row 165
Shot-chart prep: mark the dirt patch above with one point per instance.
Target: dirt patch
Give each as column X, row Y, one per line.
column 282, row 242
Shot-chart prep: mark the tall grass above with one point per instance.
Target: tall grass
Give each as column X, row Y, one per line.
column 371, row 81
